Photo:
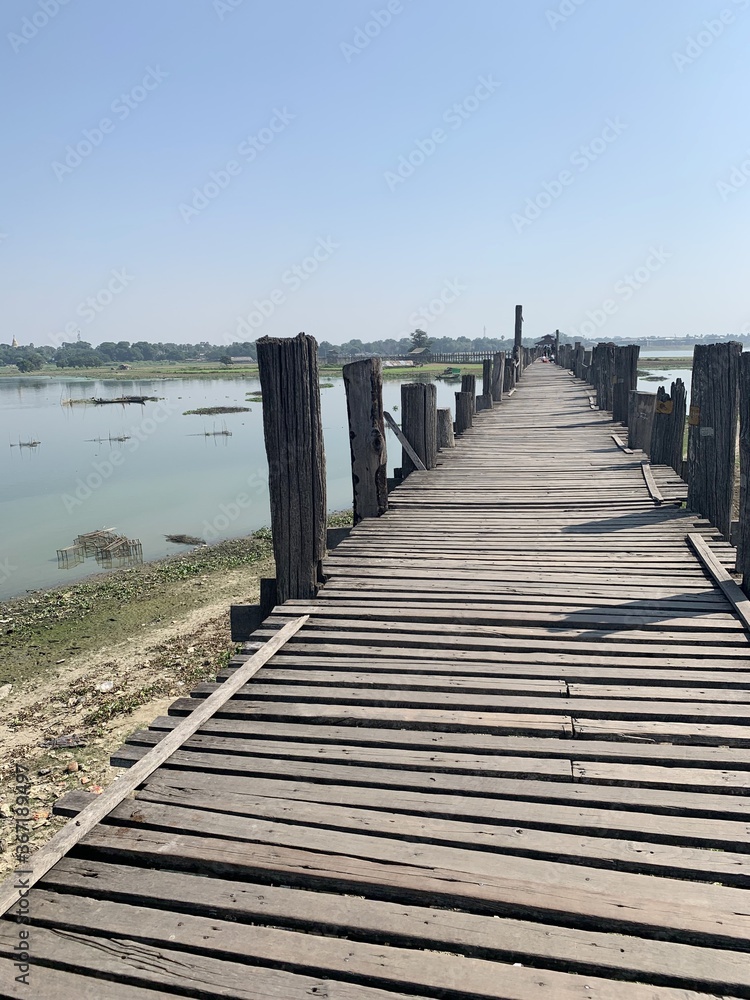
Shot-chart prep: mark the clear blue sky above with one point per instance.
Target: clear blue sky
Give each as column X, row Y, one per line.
column 235, row 67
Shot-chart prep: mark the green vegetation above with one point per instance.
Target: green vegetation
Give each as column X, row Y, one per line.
column 74, row 619
column 647, row 365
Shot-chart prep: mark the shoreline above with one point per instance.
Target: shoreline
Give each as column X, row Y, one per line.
column 147, row 373
column 83, row 667
column 92, row 663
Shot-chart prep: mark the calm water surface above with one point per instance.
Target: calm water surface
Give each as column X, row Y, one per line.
column 168, row 478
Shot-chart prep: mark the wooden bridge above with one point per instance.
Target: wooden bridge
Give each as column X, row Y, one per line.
column 506, row 756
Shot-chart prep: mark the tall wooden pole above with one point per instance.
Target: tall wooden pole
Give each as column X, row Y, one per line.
column 743, row 539
column 518, row 337
column 363, row 381
column 293, row 432
column 498, row 376
column 712, row 434
column 419, row 423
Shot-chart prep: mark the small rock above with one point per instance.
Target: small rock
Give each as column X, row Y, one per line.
column 85, row 780
column 72, row 766
column 96, row 789
column 106, row 685
column 41, row 814
column 60, row 661
column 44, row 770
column 5, row 691
column 191, row 649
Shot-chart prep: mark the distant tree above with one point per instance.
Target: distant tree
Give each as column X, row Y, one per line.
column 77, row 356
column 419, row 339
column 144, row 349
column 31, row 363
column 226, row 359
column 122, row 351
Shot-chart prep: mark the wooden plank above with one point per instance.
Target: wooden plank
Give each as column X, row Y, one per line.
column 581, row 951
column 417, row 461
column 731, row 590
column 63, row 841
column 147, row 966
column 621, row 444
column 281, row 735
column 482, row 881
column 455, row 792
column 653, row 489
column 181, row 938
column 324, row 825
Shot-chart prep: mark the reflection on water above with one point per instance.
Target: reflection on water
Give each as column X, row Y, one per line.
column 146, row 470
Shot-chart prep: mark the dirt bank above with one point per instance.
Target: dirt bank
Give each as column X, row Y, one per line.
column 90, row 664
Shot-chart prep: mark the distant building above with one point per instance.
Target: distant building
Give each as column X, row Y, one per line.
column 243, row 361
column 422, row 355
column 14, row 343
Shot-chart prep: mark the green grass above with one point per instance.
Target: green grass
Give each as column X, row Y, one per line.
column 67, row 621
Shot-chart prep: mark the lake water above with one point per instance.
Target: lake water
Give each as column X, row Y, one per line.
column 666, row 352
column 167, row 478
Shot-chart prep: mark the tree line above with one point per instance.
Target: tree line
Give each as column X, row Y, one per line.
column 80, row 354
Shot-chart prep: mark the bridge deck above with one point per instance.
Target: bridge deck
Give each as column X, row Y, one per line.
column 507, row 757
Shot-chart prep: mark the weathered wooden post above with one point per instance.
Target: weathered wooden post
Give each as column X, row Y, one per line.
column 625, row 380
column 419, row 423
column 517, row 341
column 445, row 428
column 586, row 366
column 668, row 430
column 743, row 532
column 464, row 411
column 484, row 399
column 498, row 376
column 293, row 433
column 578, row 359
column 508, row 375
column 641, row 409
column 557, row 347
column 363, row 381
column 487, row 377
column 712, row 431
column 469, row 384
column 606, row 376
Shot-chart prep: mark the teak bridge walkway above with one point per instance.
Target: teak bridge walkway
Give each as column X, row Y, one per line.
column 506, row 756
